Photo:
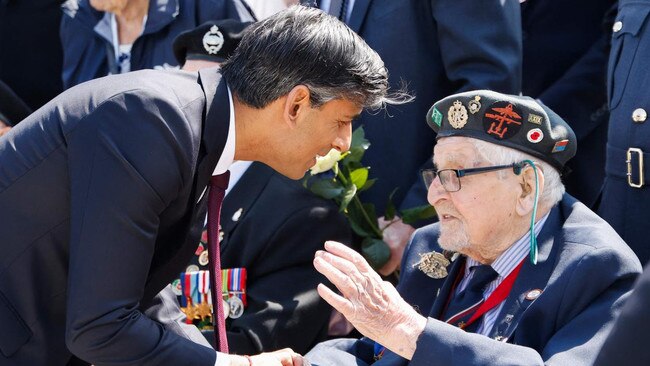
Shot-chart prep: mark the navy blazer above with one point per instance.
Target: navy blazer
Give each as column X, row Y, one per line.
column 623, row 206
column 584, row 269
column 437, row 47
column 87, row 39
column 100, row 209
column 565, row 62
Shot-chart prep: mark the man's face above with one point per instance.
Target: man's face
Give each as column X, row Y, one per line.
column 112, row 6
column 316, row 132
column 481, row 214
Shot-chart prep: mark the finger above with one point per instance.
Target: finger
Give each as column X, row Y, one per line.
column 350, row 254
column 338, row 302
column 340, row 263
column 339, row 279
column 297, row 359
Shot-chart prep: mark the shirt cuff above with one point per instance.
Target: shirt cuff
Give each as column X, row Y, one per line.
column 222, row 359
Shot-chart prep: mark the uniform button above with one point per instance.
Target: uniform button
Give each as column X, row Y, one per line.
column 617, row 26
column 639, row 115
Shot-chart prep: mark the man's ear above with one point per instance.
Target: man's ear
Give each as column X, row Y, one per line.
column 526, row 201
column 296, row 103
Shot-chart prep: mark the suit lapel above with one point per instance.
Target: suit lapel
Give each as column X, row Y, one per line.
column 531, row 277
column 242, row 198
column 358, row 14
column 445, row 291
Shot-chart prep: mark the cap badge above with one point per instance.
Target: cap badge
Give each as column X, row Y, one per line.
column 535, row 135
column 213, row 40
column 502, row 121
column 533, row 118
column 433, row 264
column 436, row 116
column 457, row 115
column 560, row 146
column 475, row 104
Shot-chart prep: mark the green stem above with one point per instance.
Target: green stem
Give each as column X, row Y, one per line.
column 356, row 200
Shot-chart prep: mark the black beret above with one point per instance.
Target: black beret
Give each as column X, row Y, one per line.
column 211, row 41
column 521, row 123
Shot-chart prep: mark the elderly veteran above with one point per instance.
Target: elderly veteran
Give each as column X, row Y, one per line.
column 506, row 289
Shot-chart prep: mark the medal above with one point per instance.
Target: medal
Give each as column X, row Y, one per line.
column 236, row 307
column 226, row 308
column 203, row 258
column 433, row 264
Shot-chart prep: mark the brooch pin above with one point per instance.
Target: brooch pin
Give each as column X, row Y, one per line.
column 433, row 264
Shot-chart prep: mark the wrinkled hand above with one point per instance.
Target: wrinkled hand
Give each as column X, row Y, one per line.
column 396, row 235
column 284, row 357
column 373, row 306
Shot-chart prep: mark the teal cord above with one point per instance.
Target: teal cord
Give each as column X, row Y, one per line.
column 533, row 238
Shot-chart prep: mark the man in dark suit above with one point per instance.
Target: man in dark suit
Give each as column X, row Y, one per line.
column 626, row 192
column 517, row 290
column 271, row 226
column 565, row 63
column 436, row 47
column 102, row 190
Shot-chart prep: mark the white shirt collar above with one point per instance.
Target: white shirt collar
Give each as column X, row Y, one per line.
column 228, row 154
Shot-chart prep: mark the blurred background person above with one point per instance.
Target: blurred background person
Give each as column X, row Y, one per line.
column 102, row 37
column 30, row 49
column 565, row 64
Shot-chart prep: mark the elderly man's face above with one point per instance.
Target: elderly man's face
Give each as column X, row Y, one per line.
column 482, row 212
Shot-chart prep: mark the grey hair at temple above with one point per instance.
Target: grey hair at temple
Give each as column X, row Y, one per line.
column 305, row 46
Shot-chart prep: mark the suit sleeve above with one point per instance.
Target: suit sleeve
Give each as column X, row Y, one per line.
column 284, row 308
column 485, row 55
column 627, row 340
column 126, row 165
column 584, row 320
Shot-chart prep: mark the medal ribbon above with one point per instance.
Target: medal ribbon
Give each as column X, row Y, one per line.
column 186, row 285
column 496, row 297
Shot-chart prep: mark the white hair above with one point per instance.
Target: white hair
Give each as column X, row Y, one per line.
column 502, row 155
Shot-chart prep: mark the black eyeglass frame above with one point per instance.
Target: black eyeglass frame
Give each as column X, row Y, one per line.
column 516, row 168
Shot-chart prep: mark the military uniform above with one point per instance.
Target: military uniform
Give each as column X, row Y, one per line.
column 626, row 198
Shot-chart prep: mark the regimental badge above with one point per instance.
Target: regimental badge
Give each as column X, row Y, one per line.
column 213, row 40
column 475, row 104
column 457, row 115
column 199, row 249
column 436, row 116
column 176, row 287
column 535, row 135
column 502, row 120
column 533, row 118
column 236, row 307
column 433, row 264
column 560, row 146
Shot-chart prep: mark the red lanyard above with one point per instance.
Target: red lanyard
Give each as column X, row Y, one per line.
column 496, row 297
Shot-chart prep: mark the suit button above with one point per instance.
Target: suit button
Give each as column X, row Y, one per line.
column 617, row 26
column 639, row 115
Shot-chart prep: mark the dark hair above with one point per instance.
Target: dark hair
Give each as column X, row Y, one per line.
column 305, row 46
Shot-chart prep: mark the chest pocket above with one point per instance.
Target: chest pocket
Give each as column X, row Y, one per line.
column 626, row 49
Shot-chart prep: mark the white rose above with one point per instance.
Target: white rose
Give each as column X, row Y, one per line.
column 325, row 163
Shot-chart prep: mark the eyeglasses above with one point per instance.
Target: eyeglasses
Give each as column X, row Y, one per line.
column 450, row 178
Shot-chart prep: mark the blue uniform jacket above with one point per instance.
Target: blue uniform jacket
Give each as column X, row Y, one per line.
column 584, row 270
column 626, row 207
column 87, row 39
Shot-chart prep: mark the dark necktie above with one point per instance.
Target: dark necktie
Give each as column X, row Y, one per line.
column 464, row 304
column 218, row 185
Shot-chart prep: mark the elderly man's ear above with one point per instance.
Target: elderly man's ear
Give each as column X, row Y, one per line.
column 526, row 200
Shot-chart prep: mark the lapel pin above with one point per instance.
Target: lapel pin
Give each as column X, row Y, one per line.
column 237, row 215
column 533, row 294
column 433, row 264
